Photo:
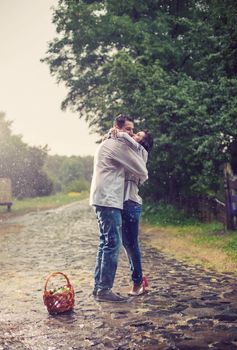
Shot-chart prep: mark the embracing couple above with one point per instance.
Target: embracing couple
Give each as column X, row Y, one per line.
column 119, row 167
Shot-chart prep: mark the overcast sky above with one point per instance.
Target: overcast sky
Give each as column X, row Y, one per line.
column 29, row 95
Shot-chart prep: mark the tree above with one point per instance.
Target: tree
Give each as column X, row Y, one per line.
column 171, row 64
column 69, row 173
column 22, row 164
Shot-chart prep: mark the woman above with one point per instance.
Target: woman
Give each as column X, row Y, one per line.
column 142, row 142
column 131, row 215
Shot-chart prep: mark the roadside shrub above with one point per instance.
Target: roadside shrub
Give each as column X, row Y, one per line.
column 162, row 213
column 78, row 186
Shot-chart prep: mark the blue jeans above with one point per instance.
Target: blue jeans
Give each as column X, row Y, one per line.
column 110, row 232
column 130, row 217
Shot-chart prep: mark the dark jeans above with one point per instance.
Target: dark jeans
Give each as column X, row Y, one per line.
column 110, row 232
column 130, row 217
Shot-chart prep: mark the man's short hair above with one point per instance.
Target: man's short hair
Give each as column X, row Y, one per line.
column 121, row 119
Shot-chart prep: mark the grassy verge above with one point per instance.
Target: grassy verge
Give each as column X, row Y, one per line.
column 25, row 205
column 207, row 244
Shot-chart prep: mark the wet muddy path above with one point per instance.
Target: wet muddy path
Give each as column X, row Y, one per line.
column 186, row 307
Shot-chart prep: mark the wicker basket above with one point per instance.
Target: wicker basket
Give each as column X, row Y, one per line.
column 61, row 300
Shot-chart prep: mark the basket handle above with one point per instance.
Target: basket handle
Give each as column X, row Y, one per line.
column 55, row 274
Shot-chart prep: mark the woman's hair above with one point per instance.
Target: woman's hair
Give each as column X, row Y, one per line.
column 147, row 141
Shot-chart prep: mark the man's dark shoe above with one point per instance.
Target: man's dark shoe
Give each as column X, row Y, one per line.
column 108, row 295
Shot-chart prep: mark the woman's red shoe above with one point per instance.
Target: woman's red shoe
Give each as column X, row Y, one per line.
column 139, row 289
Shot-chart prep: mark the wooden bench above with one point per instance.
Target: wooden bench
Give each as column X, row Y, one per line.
column 8, row 204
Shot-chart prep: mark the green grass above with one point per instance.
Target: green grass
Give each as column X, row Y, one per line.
column 165, row 215
column 231, row 246
column 203, row 235
column 40, row 203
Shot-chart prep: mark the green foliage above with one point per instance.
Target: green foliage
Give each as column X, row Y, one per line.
column 78, row 186
column 163, row 214
column 171, row 65
column 231, row 245
column 69, row 173
column 22, row 164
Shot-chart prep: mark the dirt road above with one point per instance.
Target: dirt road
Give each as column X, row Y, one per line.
column 186, row 307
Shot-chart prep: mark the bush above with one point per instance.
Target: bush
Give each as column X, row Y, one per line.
column 162, row 213
column 78, row 186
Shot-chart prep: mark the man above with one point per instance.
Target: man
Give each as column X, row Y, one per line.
column 113, row 157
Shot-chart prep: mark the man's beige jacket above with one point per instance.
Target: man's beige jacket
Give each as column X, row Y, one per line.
column 112, row 159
